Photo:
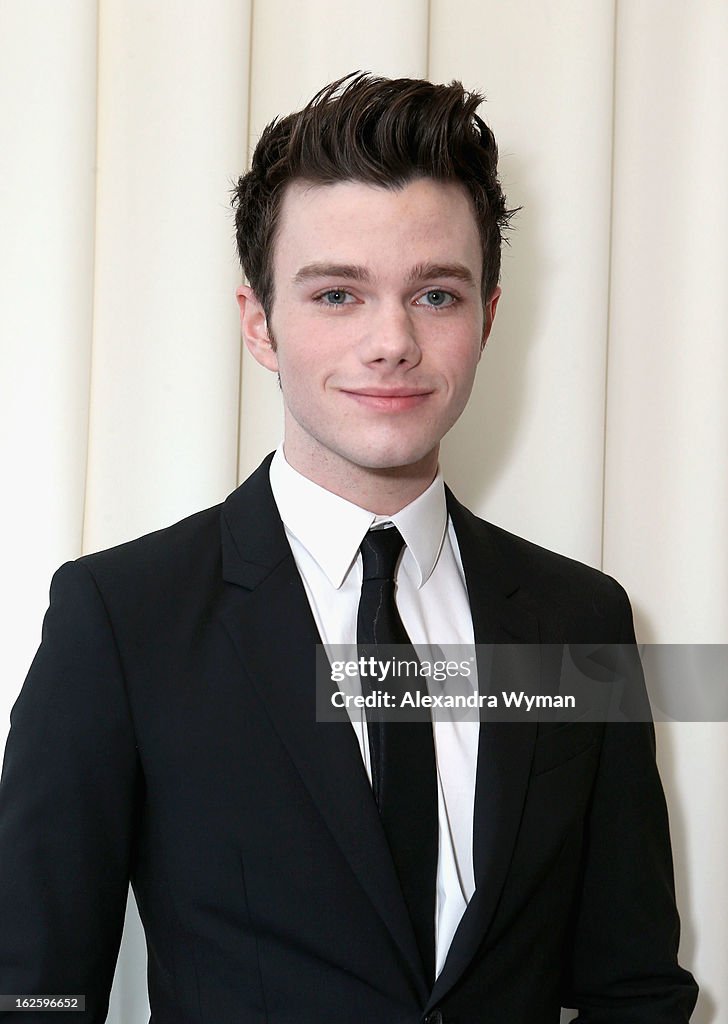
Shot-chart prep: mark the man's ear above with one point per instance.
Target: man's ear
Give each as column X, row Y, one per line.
column 254, row 326
column 489, row 315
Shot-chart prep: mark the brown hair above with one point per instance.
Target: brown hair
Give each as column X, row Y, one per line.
column 379, row 131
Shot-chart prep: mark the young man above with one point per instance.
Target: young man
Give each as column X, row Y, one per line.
column 292, row 870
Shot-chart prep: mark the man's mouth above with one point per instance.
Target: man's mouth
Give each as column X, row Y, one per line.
column 388, row 399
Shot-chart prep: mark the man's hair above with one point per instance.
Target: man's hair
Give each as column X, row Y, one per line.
column 379, row 131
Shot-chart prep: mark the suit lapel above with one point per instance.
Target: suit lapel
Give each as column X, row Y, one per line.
column 269, row 620
column 505, row 750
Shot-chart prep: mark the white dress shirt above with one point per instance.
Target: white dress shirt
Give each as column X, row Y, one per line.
column 325, row 532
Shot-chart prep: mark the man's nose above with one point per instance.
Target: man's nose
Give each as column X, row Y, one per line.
column 391, row 337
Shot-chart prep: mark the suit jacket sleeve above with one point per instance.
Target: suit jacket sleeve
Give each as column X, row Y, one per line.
column 626, row 929
column 67, row 798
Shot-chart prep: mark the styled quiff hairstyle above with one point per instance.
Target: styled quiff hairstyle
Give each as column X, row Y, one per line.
column 379, row 131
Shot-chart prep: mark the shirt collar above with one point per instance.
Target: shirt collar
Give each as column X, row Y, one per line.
column 332, row 528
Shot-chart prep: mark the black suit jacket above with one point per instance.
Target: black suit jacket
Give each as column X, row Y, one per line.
column 166, row 734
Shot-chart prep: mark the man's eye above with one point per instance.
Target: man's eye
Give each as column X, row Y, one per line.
column 437, row 298
column 335, row 297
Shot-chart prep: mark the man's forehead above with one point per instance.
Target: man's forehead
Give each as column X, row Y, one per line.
column 334, row 224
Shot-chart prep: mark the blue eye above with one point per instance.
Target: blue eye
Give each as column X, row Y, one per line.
column 335, row 297
column 437, row 298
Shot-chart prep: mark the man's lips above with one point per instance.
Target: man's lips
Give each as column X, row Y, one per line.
column 388, row 399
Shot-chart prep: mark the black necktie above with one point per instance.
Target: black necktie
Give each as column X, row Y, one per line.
column 404, row 778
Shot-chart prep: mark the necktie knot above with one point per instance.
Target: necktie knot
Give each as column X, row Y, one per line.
column 380, row 550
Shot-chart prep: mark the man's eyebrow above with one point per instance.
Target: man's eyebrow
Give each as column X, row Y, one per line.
column 429, row 271
column 341, row 270
column 352, row 272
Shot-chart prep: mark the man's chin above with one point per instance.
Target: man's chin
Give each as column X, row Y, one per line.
column 393, row 463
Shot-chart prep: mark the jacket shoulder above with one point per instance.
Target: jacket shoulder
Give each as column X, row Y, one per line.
column 180, row 532
column 174, row 550
column 570, row 595
column 570, row 598
column 545, row 567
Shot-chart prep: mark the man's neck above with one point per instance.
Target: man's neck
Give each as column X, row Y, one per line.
column 381, row 491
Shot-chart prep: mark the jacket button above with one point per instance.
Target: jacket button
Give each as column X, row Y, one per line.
column 433, row 1017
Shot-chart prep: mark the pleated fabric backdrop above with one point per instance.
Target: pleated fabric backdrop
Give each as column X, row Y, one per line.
column 598, row 425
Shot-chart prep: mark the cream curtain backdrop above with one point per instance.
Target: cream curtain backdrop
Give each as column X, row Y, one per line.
column 598, row 425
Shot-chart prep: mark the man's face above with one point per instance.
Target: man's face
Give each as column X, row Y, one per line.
column 377, row 323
